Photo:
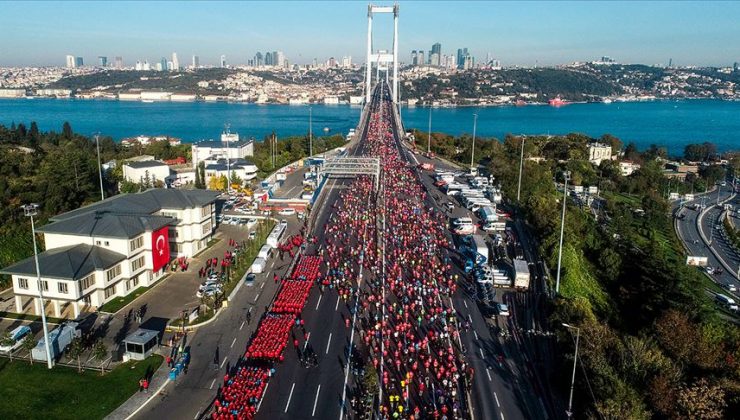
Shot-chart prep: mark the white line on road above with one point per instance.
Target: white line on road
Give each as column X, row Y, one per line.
column 488, row 372
column 289, row 397
column 242, row 326
column 212, row 382
column 315, row 400
column 224, row 361
column 328, row 343
column 337, row 305
column 452, row 305
column 470, row 318
column 496, row 397
column 196, row 415
column 502, row 416
column 263, row 396
column 466, row 304
column 317, row 303
column 232, row 343
column 481, row 353
column 262, row 286
column 476, row 334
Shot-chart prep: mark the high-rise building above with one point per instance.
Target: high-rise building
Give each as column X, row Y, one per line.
column 434, row 59
column 347, row 61
column 437, row 48
column 102, row 61
column 468, row 63
column 175, row 62
column 414, row 58
column 223, row 61
column 118, row 62
column 196, row 62
column 71, row 62
column 278, row 58
column 420, row 58
column 258, row 59
column 461, row 54
column 268, row 58
column 79, row 62
column 162, row 66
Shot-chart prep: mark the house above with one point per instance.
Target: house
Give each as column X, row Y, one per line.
column 152, row 170
column 627, row 168
column 230, row 146
column 108, row 249
column 598, row 152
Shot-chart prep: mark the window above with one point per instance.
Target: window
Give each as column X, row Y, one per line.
column 87, row 281
column 205, row 211
column 128, row 285
column 107, row 243
column 62, row 288
column 169, row 214
column 97, row 242
column 44, row 285
column 137, row 264
column 109, row 291
column 113, row 273
column 87, row 300
column 23, row 283
column 207, row 228
column 135, row 281
column 137, row 243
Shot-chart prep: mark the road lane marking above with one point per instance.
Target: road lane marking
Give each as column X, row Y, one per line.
column 476, row 334
column 470, row 318
column 242, row 326
column 224, row 361
column 263, row 396
column 466, row 304
column 328, row 343
column 488, row 372
column 232, row 343
column 497, row 404
column 317, row 303
column 337, row 305
column 502, row 416
column 289, row 397
column 481, row 353
column 262, row 286
column 316, row 400
column 212, row 382
column 196, row 415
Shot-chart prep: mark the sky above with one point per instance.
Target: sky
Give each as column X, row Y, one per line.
column 517, row 33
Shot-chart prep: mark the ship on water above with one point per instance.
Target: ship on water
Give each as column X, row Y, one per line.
column 557, row 101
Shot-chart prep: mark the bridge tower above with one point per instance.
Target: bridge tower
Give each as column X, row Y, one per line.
column 382, row 58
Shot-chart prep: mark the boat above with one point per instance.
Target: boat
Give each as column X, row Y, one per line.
column 147, row 101
column 557, row 101
column 607, row 101
column 520, row 102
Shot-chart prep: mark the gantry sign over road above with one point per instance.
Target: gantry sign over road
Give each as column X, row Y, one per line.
column 381, row 58
column 348, row 167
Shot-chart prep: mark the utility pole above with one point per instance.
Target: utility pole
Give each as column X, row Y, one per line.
column 310, row 133
column 31, row 210
column 472, row 148
column 573, row 377
column 429, row 139
column 521, row 166
column 566, row 175
column 100, row 167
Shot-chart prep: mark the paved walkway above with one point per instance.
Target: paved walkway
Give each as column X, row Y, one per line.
column 157, row 382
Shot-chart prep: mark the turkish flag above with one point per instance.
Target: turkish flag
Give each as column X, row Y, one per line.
column 160, row 248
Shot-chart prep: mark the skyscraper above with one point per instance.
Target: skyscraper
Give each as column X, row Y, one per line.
column 278, row 58
column 118, row 62
column 175, row 62
column 420, row 58
column 196, row 61
column 103, row 61
column 79, row 62
column 162, row 64
column 461, row 54
column 268, row 58
column 223, row 61
column 436, row 49
column 70, row 62
column 258, row 59
column 414, row 58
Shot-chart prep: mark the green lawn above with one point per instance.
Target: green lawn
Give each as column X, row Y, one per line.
column 31, row 391
column 116, row 304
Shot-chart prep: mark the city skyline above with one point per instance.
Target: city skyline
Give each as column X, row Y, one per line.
column 544, row 33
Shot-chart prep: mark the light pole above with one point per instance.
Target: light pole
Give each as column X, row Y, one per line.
column 521, row 166
column 310, row 133
column 31, row 210
column 472, row 148
column 573, row 378
column 429, row 138
column 566, row 175
column 100, row 167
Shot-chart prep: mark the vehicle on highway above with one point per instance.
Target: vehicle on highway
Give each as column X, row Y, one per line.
column 283, row 223
column 727, row 302
column 450, row 206
column 440, row 183
column 249, row 280
column 264, row 252
column 502, row 309
column 16, row 336
column 287, row 212
column 301, row 215
column 521, row 274
column 729, row 287
column 463, row 226
column 488, row 214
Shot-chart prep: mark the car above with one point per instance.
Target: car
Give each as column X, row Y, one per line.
column 450, row 206
column 209, row 283
column 730, row 287
column 251, row 223
column 287, row 212
column 284, row 222
column 209, row 291
column 301, row 215
column 440, row 183
column 249, row 280
column 252, row 235
column 502, row 309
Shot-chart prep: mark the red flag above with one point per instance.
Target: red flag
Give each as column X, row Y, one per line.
column 160, row 248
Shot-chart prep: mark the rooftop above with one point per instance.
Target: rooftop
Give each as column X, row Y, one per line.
column 70, row 262
column 221, row 144
column 108, row 224
column 145, row 164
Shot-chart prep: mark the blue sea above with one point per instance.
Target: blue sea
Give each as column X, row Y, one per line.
column 672, row 124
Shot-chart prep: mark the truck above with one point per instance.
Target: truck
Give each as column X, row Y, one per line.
column 480, row 246
column 258, row 266
column 59, row 339
column 488, row 214
column 521, row 274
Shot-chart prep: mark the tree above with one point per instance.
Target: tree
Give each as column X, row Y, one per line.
column 200, row 176
column 75, row 352
column 7, row 340
column 100, row 352
column 701, row 400
column 29, row 344
column 67, row 131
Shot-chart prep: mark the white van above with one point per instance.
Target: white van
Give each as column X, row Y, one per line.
column 264, row 252
column 17, row 335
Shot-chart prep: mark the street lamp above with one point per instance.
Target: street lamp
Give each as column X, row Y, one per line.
column 310, row 132
column 521, row 165
column 100, row 167
column 429, row 138
column 573, row 378
column 566, row 175
column 472, row 149
column 31, row 210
